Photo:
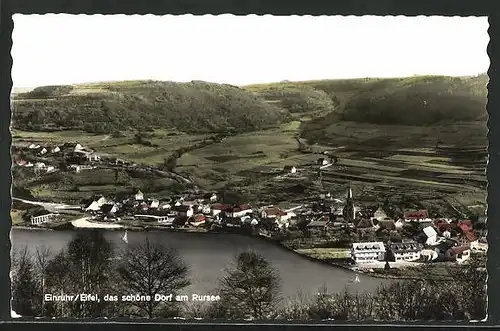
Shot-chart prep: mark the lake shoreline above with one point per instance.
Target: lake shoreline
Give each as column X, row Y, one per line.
column 341, row 265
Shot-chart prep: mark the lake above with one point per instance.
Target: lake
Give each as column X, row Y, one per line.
column 209, row 254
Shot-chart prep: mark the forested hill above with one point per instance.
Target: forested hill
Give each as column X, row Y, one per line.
column 107, row 107
column 207, row 107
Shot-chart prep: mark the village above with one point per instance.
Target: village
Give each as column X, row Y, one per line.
column 376, row 235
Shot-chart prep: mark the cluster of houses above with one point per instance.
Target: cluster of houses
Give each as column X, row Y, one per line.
column 194, row 210
column 322, row 162
column 440, row 240
column 75, row 156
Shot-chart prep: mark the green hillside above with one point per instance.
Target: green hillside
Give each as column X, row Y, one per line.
column 194, row 107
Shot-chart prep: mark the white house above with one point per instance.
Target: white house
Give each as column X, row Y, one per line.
column 154, row 203
column 165, row 205
column 399, row 224
column 94, row 206
column 477, row 246
column 290, row 169
column 428, row 255
column 56, row 149
column 139, row 196
column 33, row 146
column 380, row 214
column 78, row 147
column 367, row 252
column 29, row 165
column 213, row 197
column 241, row 210
column 177, row 203
column 431, row 234
column 43, row 151
column 190, row 211
column 101, row 201
column 50, row 169
column 406, row 252
column 322, row 161
column 40, row 165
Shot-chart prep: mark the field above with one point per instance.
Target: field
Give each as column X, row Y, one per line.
column 429, row 161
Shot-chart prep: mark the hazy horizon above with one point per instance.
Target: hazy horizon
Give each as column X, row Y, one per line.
column 63, row 49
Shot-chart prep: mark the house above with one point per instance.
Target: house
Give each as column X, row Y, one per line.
column 29, row 165
column 276, row 213
column 289, row 169
column 91, row 157
column 155, row 203
column 465, row 225
column 40, row 165
column 100, row 200
column 458, row 253
column 406, row 251
column 55, row 150
column 219, row 207
column 33, row 146
column 322, row 222
column 41, row 217
column 380, row 214
column 399, row 224
column 325, row 195
column 322, row 161
column 43, row 151
column 431, row 234
column 139, row 196
column 241, row 210
column 213, row 197
column 365, row 225
column 50, row 169
column 92, row 207
column 197, row 220
column 249, row 220
column 186, row 211
column 417, row 216
column 477, row 246
column 387, row 224
column 109, row 209
column 368, row 252
column 232, row 222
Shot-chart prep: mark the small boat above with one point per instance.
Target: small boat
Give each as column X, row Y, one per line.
column 125, row 238
column 355, row 280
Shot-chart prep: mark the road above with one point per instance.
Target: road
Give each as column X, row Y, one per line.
column 50, row 206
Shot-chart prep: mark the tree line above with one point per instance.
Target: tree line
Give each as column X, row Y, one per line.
column 250, row 288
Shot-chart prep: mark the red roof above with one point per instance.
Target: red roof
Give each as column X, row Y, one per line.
column 418, row 214
column 465, row 225
column 459, row 249
column 470, row 236
column 275, row 211
column 241, row 208
column 220, row 206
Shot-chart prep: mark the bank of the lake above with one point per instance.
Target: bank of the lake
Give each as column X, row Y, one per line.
column 409, row 273
column 208, row 256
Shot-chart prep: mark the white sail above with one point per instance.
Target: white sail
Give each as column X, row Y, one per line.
column 125, row 238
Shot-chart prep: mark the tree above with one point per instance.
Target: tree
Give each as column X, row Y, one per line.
column 151, row 269
column 25, row 290
column 251, row 287
column 84, row 267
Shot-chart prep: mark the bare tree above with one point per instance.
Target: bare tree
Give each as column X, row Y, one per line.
column 42, row 255
column 251, row 287
column 150, row 269
column 25, row 290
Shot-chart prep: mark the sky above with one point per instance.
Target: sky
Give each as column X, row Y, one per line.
column 57, row 49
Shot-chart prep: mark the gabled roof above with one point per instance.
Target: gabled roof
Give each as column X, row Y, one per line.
column 221, row 207
column 417, row 214
column 365, row 223
column 275, row 211
column 106, row 208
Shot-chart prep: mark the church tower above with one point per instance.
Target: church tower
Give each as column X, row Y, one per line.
column 348, row 211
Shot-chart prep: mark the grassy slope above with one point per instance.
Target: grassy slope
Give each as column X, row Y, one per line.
column 106, row 107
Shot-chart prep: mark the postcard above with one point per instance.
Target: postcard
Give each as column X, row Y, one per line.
column 249, row 167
